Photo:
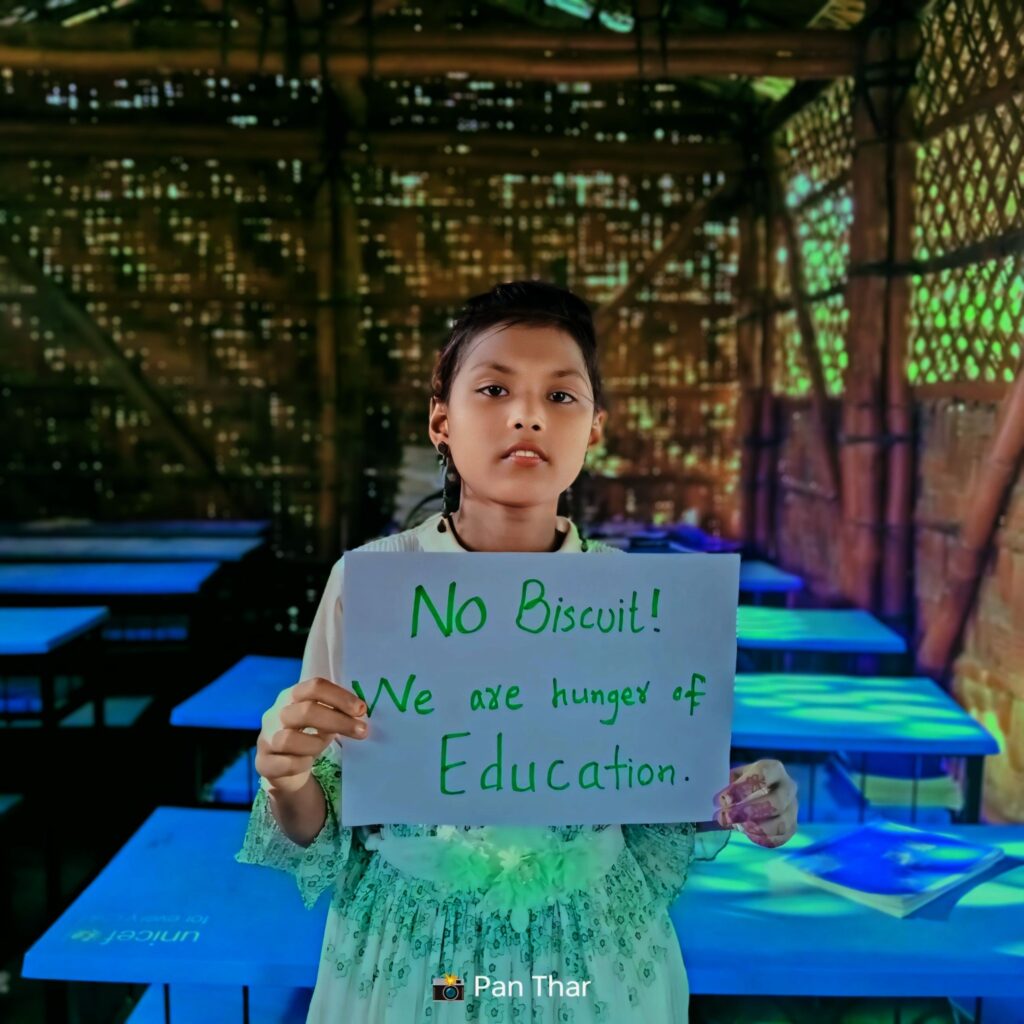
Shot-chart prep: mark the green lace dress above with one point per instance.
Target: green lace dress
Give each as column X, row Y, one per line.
column 390, row 931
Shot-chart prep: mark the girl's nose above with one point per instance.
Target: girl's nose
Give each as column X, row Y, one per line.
column 526, row 413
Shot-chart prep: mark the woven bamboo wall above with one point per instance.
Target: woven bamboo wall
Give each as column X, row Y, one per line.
column 203, row 269
column 966, row 336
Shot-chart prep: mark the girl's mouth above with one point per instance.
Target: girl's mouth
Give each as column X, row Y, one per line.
column 524, row 458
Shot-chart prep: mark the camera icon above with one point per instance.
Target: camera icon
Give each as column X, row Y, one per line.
column 449, row 988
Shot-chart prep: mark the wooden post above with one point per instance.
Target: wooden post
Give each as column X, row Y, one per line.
column 876, row 395
column 341, row 359
column 768, row 428
column 748, row 368
column 898, row 541
column 861, row 443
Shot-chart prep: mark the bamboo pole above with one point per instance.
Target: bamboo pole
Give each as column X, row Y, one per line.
column 998, row 472
column 648, row 268
column 747, row 367
column 898, row 500
column 863, row 443
column 823, row 443
column 768, row 429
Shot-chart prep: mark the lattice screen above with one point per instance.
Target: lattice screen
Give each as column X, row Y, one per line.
column 967, row 307
column 813, row 153
column 202, row 270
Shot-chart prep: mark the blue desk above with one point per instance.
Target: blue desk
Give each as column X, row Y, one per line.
column 221, row 923
column 138, row 528
column 45, row 644
column 764, row 578
column 238, row 698
column 841, row 630
column 235, row 786
column 174, row 907
column 235, row 702
column 42, row 644
column 659, row 540
column 867, row 714
column 92, row 579
column 28, row 631
column 127, row 549
column 824, row 945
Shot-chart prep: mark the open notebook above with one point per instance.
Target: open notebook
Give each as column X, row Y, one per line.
column 892, row 867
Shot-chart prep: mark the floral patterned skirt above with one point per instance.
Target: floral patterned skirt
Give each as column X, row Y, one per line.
column 607, row 953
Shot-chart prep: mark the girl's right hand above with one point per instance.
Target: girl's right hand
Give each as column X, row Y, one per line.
column 285, row 752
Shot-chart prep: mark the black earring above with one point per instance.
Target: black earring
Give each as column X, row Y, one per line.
column 447, row 493
column 567, row 494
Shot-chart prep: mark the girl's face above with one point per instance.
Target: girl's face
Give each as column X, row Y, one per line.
column 518, row 384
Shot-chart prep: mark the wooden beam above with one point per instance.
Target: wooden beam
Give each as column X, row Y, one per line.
column 56, row 305
column 154, row 48
column 425, row 150
column 352, row 12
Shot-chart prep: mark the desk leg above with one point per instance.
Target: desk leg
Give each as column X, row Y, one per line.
column 913, row 789
column 863, row 787
column 167, row 1003
column 51, row 842
column 48, row 698
column 245, row 1004
column 975, row 771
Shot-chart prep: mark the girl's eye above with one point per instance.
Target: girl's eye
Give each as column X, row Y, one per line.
column 487, row 387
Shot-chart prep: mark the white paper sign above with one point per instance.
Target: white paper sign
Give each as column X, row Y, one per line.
column 522, row 688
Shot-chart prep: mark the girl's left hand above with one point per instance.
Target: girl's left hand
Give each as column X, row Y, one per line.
column 760, row 801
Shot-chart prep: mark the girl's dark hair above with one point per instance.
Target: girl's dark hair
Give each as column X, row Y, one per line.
column 533, row 303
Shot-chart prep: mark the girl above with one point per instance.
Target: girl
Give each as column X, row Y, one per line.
column 518, row 374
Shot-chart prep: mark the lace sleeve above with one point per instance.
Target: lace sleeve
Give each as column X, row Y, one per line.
column 328, row 861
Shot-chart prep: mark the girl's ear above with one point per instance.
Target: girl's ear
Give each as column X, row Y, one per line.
column 597, row 430
column 437, row 421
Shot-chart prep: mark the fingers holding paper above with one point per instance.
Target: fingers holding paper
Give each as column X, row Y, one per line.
column 761, row 802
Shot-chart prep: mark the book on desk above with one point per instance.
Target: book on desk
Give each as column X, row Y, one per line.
column 891, row 867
